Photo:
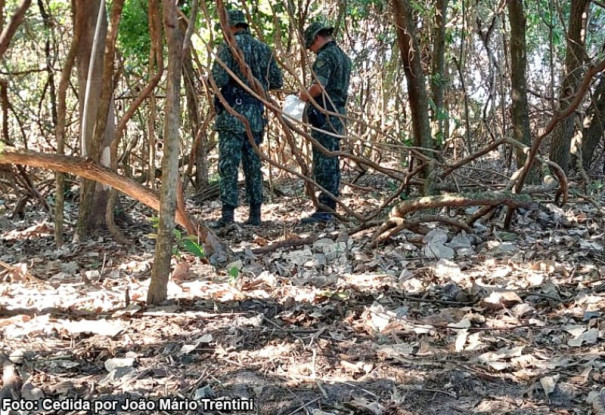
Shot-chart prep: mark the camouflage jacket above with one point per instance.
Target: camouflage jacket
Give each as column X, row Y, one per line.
column 332, row 68
column 261, row 61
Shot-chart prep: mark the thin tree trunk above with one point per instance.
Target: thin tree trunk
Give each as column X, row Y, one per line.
column 403, row 14
column 438, row 78
column 9, row 31
column 4, row 104
column 561, row 137
column 155, row 61
column 99, row 148
column 518, row 61
column 595, row 119
column 170, row 163
column 460, row 63
column 60, row 133
column 551, row 54
column 89, row 15
column 191, row 99
column 104, row 131
column 2, row 2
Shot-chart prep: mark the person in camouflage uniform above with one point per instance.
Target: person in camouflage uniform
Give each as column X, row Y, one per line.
column 331, row 72
column 234, row 146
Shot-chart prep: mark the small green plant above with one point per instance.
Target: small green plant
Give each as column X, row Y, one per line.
column 233, row 273
column 187, row 243
column 214, row 179
column 595, row 187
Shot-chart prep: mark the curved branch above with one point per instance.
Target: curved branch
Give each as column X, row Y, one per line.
column 90, row 170
column 398, row 215
column 600, row 67
column 11, row 28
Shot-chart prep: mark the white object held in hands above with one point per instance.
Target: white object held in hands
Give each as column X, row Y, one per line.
column 294, row 107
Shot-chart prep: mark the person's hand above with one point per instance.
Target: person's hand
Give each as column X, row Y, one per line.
column 303, row 95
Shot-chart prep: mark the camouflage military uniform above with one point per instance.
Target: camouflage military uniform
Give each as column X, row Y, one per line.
column 332, row 69
column 234, row 146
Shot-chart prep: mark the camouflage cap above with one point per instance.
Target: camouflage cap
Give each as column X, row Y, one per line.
column 236, row 17
column 313, row 30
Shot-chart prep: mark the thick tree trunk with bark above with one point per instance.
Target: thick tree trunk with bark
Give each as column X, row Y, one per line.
column 170, row 163
column 93, row 197
column 403, row 15
column 518, row 62
column 562, row 135
column 594, row 124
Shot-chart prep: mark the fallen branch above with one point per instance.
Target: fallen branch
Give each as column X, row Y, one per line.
column 289, row 243
column 214, row 248
column 398, row 218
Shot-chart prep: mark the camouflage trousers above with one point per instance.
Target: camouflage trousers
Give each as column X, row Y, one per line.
column 233, row 149
column 326, row 170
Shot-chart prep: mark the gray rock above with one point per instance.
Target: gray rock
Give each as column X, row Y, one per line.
column 460, row 241
column 318, row 246
column 435, row 236
column 112, row 364
column 202, row 393
column 299, row 257
column 119, row 373
column 438, row 251
column 465, row 252
column 505, row 248
column 335, row 250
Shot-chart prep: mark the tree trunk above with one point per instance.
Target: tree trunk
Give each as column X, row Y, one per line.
column 170, row 163
column 403, row 15
column 595, row 122
column 199, row 129
column 561, row 136
column 518, row 61
column 194, row 117
column 4, row 105
column 60, row 126
column 155, row 61
column 438, row 70
column 93, row 197
column 9, row 31
column 2, row 15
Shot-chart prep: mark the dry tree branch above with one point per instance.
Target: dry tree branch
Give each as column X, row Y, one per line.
column 399, row 221
column 579, row 96
column 9, row 31
column 86, row 168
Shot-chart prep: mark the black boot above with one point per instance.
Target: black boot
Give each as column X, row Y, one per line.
column 227, row 217
column 320, row 216
column 317, row 217
column 254, row 217
column 331, row 204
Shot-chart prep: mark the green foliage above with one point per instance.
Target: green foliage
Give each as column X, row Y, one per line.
column 133, row 35
column 186, row 243
column 362, row 9
column 214, row 179
column 407, row 140
column 193, row 247
column 233, row 273
column 419, row 7
column 595, row 187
